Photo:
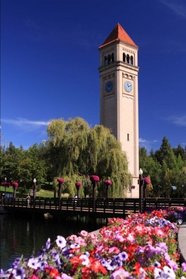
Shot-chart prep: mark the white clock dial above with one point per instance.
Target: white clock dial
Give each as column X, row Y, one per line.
column 128, row 86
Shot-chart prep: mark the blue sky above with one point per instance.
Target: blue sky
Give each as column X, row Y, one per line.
column 50, row 60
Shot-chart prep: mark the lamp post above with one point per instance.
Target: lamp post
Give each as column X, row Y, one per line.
column 94, row 179
column 107, row 183
column 34, row 188
column 5, row 184
column 141, row 181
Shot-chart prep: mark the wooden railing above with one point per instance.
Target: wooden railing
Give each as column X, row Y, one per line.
column 84, row 206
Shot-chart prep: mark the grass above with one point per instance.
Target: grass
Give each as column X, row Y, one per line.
column 45, row 194
column 8, row 189
column 41, row 193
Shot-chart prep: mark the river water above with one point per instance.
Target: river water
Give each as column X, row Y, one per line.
column 25, row 236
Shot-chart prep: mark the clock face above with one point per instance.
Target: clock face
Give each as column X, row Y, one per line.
column 109, row 86
column 128, row 86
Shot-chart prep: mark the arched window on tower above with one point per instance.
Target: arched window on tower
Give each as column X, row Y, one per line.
column 124, row 57
column 105, row 60
column 132, row 60
column 128, row 58
column 109, row 59
column 112, row 57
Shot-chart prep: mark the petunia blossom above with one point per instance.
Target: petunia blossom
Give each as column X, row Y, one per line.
column 61, row 241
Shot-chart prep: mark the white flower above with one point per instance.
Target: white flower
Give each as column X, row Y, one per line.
column 169, row 271
column 48, row 243
column 166, row 273
column 33, row 263
column 85, row 260
column 74, row 246
column 61, row 241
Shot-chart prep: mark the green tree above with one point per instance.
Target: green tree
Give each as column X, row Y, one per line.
column 166, row 168
column 76, row 149
column 12, row 157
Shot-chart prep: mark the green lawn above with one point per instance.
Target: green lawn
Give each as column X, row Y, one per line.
column 45, row 194
column 7, row 189
column 42, row 193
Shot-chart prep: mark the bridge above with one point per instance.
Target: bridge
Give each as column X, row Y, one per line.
column 97, row 208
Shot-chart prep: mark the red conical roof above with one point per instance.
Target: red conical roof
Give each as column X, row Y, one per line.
column 118, row 34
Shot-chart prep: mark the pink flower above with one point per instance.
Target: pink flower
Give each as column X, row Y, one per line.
column 108, row 182
column 184, row 266
column 119, row 274
column 147, row 180
column 65, row 276
column 15, row 184
column 83, row 233
column 78, row 184
column 130, row 238
column 114, row 250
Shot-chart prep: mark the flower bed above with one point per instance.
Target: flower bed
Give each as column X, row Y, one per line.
column 177, row 214
column 141, row 246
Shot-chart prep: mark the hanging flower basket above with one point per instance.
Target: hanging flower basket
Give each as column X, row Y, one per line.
column 15, row 184
column 60, row 180
column 94, row 178
column 78, row 184
column 108, row 182
column 147, row 180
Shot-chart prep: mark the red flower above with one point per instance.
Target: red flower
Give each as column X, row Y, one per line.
column 97, row 267
column 137, row 267
column 94, row 178
column 60, row 180
column 76, row 261
column 52, row 272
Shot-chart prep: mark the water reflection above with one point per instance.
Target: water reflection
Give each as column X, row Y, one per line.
column 23, row 236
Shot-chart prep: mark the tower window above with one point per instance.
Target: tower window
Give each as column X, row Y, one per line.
column 132, row 59
column 112, row 57
column 128, row 137
column 128, row 59
column 105, row 60
column 108, row 59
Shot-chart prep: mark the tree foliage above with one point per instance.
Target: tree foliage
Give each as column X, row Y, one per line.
column 75, row 151
column 81, row 150
column 167, row 169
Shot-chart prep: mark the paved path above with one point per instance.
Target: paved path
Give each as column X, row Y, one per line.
column 182, row 240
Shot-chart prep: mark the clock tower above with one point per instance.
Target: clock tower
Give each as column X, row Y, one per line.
column 119, row 96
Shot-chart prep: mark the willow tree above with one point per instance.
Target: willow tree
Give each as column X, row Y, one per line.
column 55, row 146
column 78, row 150
column 107, row 160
